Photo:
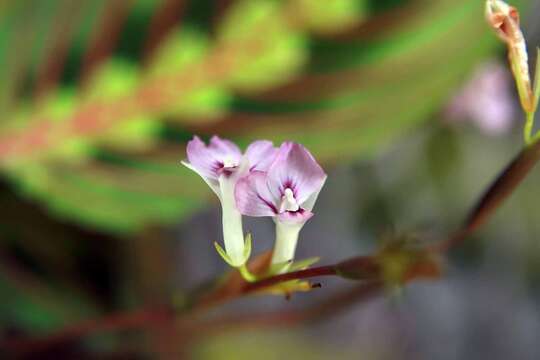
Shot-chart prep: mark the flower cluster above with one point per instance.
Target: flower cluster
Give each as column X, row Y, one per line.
column 282, row 183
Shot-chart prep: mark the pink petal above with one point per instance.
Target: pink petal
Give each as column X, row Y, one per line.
column 224, row 148
column 261, row 154
column 295, row 168
column 253, row 197
column 208, row 160
column 310, row 202
column 199, row 160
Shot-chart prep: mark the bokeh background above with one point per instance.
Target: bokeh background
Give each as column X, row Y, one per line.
column 408, row 104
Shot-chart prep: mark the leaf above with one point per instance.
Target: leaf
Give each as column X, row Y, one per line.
column 117, row 198
column 537, row 80
column 182, row 50
column 113, row 81
column 331, row 16
column 268, row 51
column 224, row 255
column 339, row 107
column 304, row 263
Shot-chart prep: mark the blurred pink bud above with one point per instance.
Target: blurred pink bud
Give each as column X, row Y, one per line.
column 486, row 100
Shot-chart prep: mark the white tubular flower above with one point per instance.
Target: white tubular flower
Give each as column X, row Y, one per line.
column 221, row 164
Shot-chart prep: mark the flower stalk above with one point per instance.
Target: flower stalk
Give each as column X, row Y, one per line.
column 285, row 246
column 233, row 233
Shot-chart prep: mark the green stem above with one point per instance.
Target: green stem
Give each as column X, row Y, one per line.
column 528, row 128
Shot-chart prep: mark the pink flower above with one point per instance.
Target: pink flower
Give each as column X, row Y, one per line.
column 223, row 158
column 221, row 164
column 287, row 191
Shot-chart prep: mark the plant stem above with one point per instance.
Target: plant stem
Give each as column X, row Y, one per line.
column 286, row 241
column 528, row 128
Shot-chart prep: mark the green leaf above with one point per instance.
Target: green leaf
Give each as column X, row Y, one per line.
column 304, row 264
column 331, row 16
column 269, row 50
column 224, row 255
column 182, row 51
column 353, row 101
column 537, row 79
column 247, row 249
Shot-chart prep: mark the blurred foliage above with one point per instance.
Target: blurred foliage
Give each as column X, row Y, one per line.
column 95, row 123
column 100, row 97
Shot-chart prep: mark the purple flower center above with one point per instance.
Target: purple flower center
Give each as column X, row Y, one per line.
column 226, row 167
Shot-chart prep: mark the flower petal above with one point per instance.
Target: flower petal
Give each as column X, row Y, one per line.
column 253, row 197
column 295, row 168
column 214, row 184
column 199, row 159
column 261, row 154
column 223, row 148
column 310, row 202
column 207, row 160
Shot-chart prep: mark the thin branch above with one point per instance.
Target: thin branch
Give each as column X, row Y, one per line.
column 296, row 275
column 504, row 186
column 330, row 306
column 144, row 317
